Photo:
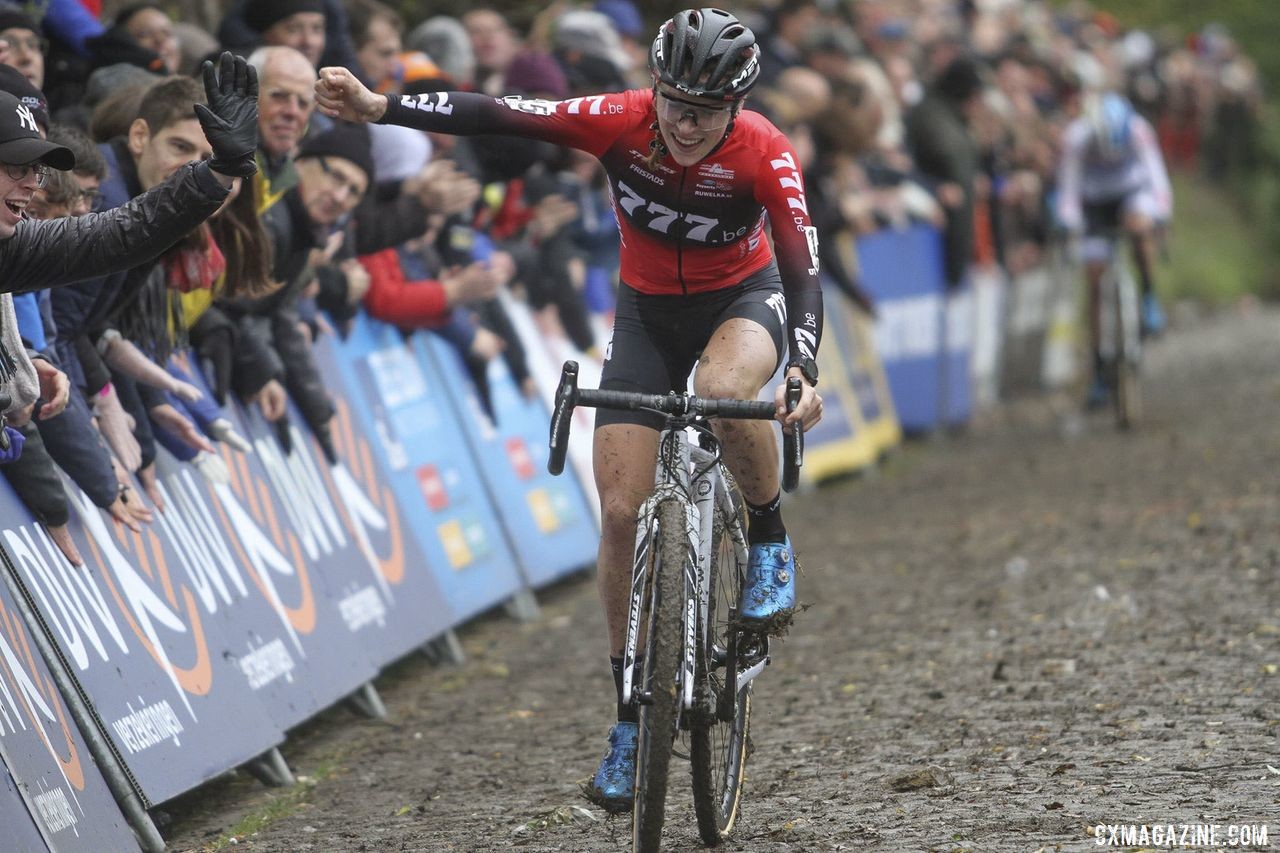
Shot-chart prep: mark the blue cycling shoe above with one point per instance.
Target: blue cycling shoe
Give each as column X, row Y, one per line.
column 769, row 594
column 1153, row 320
column 613, row 787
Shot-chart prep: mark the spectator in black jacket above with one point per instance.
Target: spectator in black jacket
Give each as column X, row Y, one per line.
column 34, row 255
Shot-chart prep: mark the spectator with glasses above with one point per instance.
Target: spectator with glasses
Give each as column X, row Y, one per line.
column 695, row 181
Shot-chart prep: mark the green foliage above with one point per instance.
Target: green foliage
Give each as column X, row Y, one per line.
column 1216, row 253
column 1255, row 24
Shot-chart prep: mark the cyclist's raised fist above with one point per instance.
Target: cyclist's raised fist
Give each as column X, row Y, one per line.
column 340, row 95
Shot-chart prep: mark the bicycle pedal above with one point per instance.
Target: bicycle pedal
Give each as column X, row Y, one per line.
column 642, row 697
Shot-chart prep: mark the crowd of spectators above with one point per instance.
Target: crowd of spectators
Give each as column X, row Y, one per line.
column 940, row 111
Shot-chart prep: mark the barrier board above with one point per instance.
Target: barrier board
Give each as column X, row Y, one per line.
column 45, row 764
column 923, row 335
column 988, row 333
column 134, row 627
column 902, row 271
column 549, row 525
column 20, row 832
column 546, row 354
column 1025, row 325
column 425, row 469
column 869, row 381
column 839, row 443
column 285, row 630
column 955, row 403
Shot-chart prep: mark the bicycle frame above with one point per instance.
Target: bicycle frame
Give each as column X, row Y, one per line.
column 1118, row 304
column 685, row 470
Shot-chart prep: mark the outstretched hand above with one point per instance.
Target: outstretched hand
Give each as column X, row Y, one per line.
column 230, row 122
column 340, row 95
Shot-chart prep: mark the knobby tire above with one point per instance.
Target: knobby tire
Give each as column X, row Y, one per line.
column 1127, row 395
column 718, row 749
column 658, row 719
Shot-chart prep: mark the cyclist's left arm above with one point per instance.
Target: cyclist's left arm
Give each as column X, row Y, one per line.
column 779, row 188
column 1149, row 152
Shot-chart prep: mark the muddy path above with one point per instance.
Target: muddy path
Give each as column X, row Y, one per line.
column 1015, row 635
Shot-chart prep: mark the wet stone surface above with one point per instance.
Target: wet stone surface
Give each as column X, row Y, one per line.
column 1014, row 635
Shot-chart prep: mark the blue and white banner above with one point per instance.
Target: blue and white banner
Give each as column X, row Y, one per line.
column 551, row 528
column 902, row 271
column 134, row 624
column 421, row 459
column 45, row 766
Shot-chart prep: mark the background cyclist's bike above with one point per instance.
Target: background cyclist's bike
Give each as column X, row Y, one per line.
column 688, row 663
column 1120, row 333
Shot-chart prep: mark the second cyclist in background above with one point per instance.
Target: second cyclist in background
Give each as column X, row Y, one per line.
column 1112, row 177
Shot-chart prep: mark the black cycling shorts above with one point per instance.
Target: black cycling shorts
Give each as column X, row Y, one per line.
column 657, row 339
column 1103, row 217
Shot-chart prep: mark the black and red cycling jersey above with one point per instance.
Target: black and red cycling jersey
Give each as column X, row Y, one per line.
column 684, row 229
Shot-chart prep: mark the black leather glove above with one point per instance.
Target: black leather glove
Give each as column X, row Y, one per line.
column 230, row 121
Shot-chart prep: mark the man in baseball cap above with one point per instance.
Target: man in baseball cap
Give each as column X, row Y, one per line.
column 22, row 147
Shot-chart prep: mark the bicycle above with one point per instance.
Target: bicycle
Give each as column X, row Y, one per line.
column 1120, row 332
column 699, row 662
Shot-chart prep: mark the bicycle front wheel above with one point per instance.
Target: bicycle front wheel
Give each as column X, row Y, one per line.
column 660, row 700
column 718, row 741
column 1128, row 394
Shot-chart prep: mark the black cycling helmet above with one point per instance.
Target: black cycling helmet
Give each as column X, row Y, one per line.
column 706, row 52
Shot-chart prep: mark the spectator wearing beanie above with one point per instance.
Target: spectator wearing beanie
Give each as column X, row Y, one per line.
column 15, row 83
column 334, row 170
column 26, row 45
column 298, row 24
column 151, row 28
column 446, row 42
column 244, row 28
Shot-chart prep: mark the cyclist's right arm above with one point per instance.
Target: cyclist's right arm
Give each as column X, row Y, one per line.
column 590, row 124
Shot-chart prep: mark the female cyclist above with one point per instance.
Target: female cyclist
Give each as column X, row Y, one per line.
column 695, row 181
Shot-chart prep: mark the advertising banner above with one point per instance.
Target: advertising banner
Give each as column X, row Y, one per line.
column 20, row 832
column 421, row 461
column 956, row 386
column 550, row 527
column 546, row 351
column 1026, row 319
column 284, row 629
column 50, row 774
column 344, row 524
column 902, row 271
column 134, row 626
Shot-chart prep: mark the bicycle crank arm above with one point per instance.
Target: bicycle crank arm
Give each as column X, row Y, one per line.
column 745, row 677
